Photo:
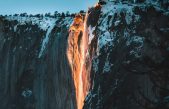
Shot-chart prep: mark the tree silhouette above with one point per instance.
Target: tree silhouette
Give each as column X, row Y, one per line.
column 55, row 14
column 63, row 15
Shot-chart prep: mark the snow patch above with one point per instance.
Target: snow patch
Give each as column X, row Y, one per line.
column 67, row 21
column 116, row 23
column 46, row 39
column 15, row 28
column 43, row 23
column 91, row 36
column 27, row 93
column 111, row 8
column 105, row 39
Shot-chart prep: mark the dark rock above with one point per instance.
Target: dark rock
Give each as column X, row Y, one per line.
column 130, row 65
column 29, row 80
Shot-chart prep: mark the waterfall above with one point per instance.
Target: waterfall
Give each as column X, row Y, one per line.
column 76, row 52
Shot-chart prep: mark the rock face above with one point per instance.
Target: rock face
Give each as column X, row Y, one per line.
column 119, row 53
column 131, row 61
column 34, row 69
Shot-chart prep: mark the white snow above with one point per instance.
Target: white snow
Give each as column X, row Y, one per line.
column 116, row 23
column 105, row 39
column 46, row 39
column 27, row 93
column 111, row 8
column 67, row 21
column 116, row 8
column 43, row 23
column 91, row 36
column 46, row 24
column 15, row 28
column 107, row 35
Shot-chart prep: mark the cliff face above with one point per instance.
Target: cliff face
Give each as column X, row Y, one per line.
column 131, row 61
column 34, row 69
column 114, row 57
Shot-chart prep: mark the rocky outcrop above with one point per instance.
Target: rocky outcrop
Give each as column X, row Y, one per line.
column 34, row 69
column 117, row 57
column 130, row 63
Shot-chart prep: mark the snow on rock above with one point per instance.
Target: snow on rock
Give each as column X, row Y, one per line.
column 91, row 36
column 110, row 9
column 116, row 22
column 15, row 28
column 67, row 22
column 46, row 39
column 24, row 42
column 105, row 39
column 27, row 93
column 122, row 45
column 43, row 23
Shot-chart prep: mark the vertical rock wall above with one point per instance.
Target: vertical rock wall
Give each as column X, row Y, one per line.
column 130, row 64
column 34, row 69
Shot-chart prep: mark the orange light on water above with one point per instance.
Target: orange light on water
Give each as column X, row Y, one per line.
column 77, row 46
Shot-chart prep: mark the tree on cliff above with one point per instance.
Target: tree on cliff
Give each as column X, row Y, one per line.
column 63, row 15
column 55, row 14
column 67, row 14
column 48, row 15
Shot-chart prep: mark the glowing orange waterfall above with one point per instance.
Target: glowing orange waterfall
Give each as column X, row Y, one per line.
column 77, row 46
